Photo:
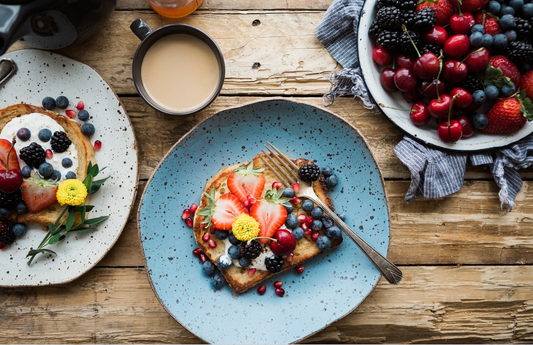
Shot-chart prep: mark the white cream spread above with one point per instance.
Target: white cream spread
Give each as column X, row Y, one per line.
column 35, row 122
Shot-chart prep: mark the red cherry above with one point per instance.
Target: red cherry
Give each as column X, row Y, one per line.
column 429, row 88
column 450, row 131
column 454, row 71
column 477, row 60
column 405, row 61
column 382, row 56
column 412, row 96
column 283, row 243
column 10, row 180
column 468, row 127
column 463, row 99
column 457, row 45
column 437, row 36
column 462, row 23
column 439, row 108
column 427, row 66
column 419, row 114
column 387, row 80
column 404, row 79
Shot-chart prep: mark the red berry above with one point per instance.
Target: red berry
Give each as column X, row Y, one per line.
column 382, row 56
column 212, row 244
column 206, row 237
column 251, row 199
column 251, row 271
column 278, row 284
column 457, row 45
column 49, row 154
column 309, row 221
column 290, row 256
column 193, row 207
column 299, row 269
column 203, row 258
column 247, row 203
column 189, row 222
column 261, row 289
column 212, row 229
column 280, row 292
column 315, row 236
column 296, row 187
column 70, row 113
column 186, row 214
column 97, row 145
column 386, row 78
column 197, row 252
column 295, row 200
column 404, row 79
column 80, row 105
column 302, row 218
column 276, row 185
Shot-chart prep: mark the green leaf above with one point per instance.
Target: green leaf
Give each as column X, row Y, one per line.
column 89, row 168
column 492, row 72
column 85, row 208
column 95, row 170
column 70, row 221
column 100, row 182
column 97, row 220
column 83, row 229
column 56, row 238
column 34, row 252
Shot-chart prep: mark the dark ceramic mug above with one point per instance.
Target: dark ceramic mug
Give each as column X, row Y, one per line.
column 148, row 37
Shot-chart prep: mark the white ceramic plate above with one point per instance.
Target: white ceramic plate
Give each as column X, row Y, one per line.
column 427, row 133
column 42, row 74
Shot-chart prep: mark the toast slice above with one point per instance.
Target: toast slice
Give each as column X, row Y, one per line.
column 238, row 278
column 79, row 140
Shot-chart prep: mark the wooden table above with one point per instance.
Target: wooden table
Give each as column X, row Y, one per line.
column 468, row 274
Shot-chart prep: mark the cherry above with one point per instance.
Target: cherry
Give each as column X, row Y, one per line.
column 382, row 56
column 437, row 36
column 283, row 242
column 439, row 107
column 454, row 71
column 387, row 80
column 402, row 60
column 464, row 98
column 429, row 88
column 450, row 131
column 468, row 127
column 10, row 180
column 427, row 66
column 412, row 96
column 462, row 23
column 457, row 45
column 404, row 79
column 419, row 114
column 477, row 60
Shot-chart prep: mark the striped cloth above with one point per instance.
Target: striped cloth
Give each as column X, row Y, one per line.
column 434, row 173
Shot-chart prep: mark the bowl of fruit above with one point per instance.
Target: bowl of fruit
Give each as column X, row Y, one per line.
column 456, row 74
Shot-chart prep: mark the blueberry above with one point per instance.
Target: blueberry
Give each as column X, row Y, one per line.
column 342, row 216
column 22, row 208
column 4, row 212
column 518, row 5
column 323, row 243
column 317, row 212
column 500, row 42
column 87, row 128
column 224, row 262
column 479, row 97
column 245, row 262
column 233, row 240
column 24, row 134
column 221, row 234
column 506, row 10
column 19, row 229
column 292, row 221
column 507, row 22
column 326, row 171
column 317, row 225
column 218, row 281
column 493, row 7
column 333, row 232
column 476, row 39
column 511, row 35
column 46, row 169
column 66, row 162
column 26, row 171
column 478, row 28
column 332, row 181
column 288, row 193
column 288, row 206
column 492, row 92
column 507, row 90
column 62, row 102
column 298, row 233
column 480, row 121
column 83, row 115
column 487, row 40
column 527, row 10
column 234, row 252
column 44, row 135
column 208, row 268
column 327, row 222
column 307, row 205
column 49, row 103
column 70, row 175
column 56, row 175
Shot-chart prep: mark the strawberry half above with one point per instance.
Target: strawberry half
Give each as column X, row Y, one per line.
column 443, row 10
column 38, row 193
column 270, row 213
column 509, row 115
column 508, row 68
column 222, row 211
column 246, row 181
column 489, row 21
column 5, row 145
column 526, row 83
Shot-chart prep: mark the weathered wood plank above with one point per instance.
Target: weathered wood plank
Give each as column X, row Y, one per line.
column 249, row 5
column 431, row 305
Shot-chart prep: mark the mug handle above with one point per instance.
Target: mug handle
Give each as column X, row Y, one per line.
column 140, row 28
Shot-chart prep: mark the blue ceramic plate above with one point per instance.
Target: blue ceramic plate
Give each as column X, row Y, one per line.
column 332, row 285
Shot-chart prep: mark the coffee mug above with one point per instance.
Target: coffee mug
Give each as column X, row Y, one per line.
column 177, row 69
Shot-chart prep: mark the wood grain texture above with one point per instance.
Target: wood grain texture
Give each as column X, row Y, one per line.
column 431, row 305
column 249, row 5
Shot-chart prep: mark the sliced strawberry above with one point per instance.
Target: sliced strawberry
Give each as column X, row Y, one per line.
column 270, row 213
column 245, row 181
column 5, row 145
column 223, row 211
column 38, row 194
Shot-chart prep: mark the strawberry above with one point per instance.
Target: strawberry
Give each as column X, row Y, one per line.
column 245, row 181
column 5, row 145
column 509, row 115
column 526, row 83
column 470, row 5
column 443, row 10
column 270, row 213
column 38, row 193
column 222, row 211
column 508, row 68
column 489, row 21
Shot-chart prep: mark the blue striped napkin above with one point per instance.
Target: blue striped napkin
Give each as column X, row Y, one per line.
column 434, row 173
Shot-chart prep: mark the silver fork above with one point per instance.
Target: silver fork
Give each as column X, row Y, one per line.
column 289, row 172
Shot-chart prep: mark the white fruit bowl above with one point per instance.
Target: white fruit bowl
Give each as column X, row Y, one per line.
column 428, row 133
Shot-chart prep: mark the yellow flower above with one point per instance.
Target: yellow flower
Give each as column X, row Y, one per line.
column 245, row 227
column 71, row 192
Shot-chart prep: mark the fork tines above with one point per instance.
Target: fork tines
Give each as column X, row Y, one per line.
column 286, row 173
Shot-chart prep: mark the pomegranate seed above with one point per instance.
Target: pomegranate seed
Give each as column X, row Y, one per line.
column 261, row 289
column 193, row 207
column 206, row 237
column 203, row 258
column 247, row 203
column 315, row 236
column 251, row 199
column 302, row 218
column 49, row 154
column 212, row 229
column 70, row 113
column 186, row 213
column 305, row 227
column 212, row 244
column 251, row 271
column 97, row 145
column 295, row 200
column 276, row 185
column 197, row 252
column 290, row 256
column 308, row 232
column 296, row 187
column 309, row 221
column 299, row 269
column 278, row 284
column 188, row 221
column 280, row 292
column 80, row 105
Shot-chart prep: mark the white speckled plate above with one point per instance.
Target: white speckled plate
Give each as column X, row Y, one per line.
column 42, row 74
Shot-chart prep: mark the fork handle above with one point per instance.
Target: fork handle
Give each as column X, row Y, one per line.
column 389, row 270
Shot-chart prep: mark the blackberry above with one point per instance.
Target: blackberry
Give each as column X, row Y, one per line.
column 7, row 236
column 33, row 155
column 60, row 142
column 431, row 48
column 472, row 83
column 309, row 172
column 251, row 250
column 388, row 39
column 425, row 19
column 408, row 5
column 10, row 200
column 408, row 18
column 274, row 263
column 405, row 45
column 374, row 30
column 523, row 29
column 388, row 18
column 520, row 51
column 384, row 3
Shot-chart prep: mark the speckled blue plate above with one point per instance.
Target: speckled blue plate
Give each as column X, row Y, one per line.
column 332, row 285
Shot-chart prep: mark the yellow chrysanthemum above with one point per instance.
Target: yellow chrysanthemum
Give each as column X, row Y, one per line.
column 71, row 192
column 245, row 227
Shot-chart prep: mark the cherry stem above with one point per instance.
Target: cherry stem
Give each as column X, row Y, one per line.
column 267, row 238
column 404, row 28
column 450, row 109
column 438, row 75
column 386, row 106
column 9, row 154
column 475, row 51
column 484, row 17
